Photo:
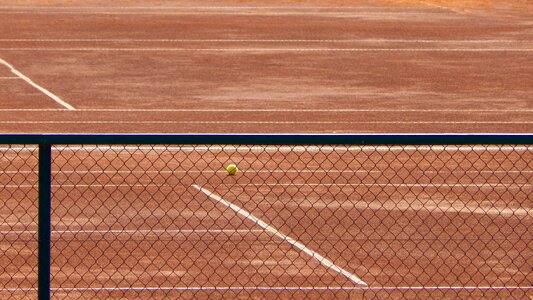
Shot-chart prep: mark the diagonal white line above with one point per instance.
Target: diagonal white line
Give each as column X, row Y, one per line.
column 324, row 261
column 40, row 88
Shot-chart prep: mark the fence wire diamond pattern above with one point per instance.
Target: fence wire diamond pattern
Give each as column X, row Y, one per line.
column 315, row 221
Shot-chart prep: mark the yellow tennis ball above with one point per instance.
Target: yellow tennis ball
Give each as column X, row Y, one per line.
column 232, row 169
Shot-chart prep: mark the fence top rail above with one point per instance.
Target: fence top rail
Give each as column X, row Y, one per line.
column 269, row 139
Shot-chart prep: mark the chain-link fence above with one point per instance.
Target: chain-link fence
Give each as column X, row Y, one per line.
column 18, row 221
column 302, row 218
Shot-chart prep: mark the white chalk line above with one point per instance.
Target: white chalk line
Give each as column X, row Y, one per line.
column 441, row 206
column 267, row 50
column 356, row 184
column 269, row 288
column 233, row 122
column 9, row 78
column 231, row 13
column 135, row 232
column 458, row 11
column 247, row 149
column 269, row 171
column 321, row 259
column 346, row 184
column 133, row 40
column 166, row 8
column 266, row 288
column 40, row 88
column 303, row 110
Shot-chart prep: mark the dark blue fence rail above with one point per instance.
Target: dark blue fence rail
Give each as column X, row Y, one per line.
column 270, row 139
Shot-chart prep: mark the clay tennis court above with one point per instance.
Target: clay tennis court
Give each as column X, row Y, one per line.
column 367, row 222
column 324, row 222
column 271, row 66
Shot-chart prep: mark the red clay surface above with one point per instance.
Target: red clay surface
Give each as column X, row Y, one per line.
column 409, row 222
column 129, row 223
column 258, row 66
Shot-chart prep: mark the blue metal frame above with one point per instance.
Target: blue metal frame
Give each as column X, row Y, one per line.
column 45, row 224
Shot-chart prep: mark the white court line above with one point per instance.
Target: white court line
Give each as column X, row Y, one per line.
column 455, row 10
column 268, row 50
column 266, row 110
column 356, row 184
column 229, row 7
column 271, row 288
column 269, row 171
column 9, row 78
column 303, row 110
column 321, row 259
column 429, row 206
column 261, row 122
column 119, row 40
column 231, row 13
column 40, row 88
column 133, row 232
column 311, row 148
column 348, row 184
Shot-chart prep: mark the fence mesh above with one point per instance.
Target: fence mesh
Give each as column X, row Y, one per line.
column 317, row 221
column 18, row 221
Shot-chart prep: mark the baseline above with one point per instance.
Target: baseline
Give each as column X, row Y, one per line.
column 376, row 40
column 260, row 122
column 269, row 171
column 268, row 50
column 275, row 288
column 309, row 148
column 143, row 232
column 423, row 185
column 303, row 110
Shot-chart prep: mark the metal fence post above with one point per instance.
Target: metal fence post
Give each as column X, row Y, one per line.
column 45, row 205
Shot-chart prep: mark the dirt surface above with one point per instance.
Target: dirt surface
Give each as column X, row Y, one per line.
column 449, row 3
column 412, row 224
column 405, row 221
column 265, row 66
